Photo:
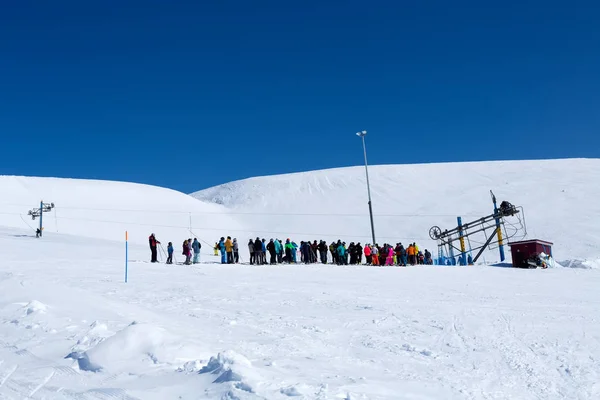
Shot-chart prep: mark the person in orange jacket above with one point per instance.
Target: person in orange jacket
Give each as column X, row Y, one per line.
column 229, row 250
column 410, row 251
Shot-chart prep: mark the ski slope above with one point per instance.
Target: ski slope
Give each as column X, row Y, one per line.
column 105, row 210
column 559, row 198
column 71, row 329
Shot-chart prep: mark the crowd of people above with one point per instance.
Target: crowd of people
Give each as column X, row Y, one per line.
column 275, row 251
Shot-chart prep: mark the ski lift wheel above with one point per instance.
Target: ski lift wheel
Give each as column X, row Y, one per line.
column 435, row 232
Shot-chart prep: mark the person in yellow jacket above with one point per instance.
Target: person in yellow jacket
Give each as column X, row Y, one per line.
column 229, row 250
column 216, row 249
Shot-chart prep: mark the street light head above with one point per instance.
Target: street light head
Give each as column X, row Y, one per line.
column 361, row 134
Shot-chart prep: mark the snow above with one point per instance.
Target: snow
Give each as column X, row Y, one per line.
column 105, row 210
column 558, row 197
column 70, row 328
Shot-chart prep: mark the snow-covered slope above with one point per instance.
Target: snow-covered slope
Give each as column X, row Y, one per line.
column 71, row 329
column 105, row 210
column 560, row 200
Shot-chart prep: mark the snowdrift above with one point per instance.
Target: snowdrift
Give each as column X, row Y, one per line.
column 559, row 198
column 105, row 210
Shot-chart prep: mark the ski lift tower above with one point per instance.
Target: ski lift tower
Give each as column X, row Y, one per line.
column 492, row 227
column 39, row 212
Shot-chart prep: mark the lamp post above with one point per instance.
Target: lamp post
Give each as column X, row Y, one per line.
column 362, row 135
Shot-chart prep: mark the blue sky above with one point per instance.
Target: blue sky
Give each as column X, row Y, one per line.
column 190, row 94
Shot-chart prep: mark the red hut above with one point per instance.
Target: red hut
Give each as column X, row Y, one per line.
column 527, row 249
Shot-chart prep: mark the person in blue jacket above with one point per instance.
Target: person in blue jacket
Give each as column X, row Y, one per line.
column 295, row 252
column 278, row 250
column 222, row 249
column 170, row 253
column 264, row 252
column 341, row 250
column 196, row 246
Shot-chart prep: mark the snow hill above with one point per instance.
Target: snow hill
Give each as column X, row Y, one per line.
column 70, row 328
column 559, row 198
column 105, row 210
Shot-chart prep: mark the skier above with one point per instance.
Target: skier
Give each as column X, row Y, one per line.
column 186, row 252
column 38, row 233
column 216, row 249
column 196, row 246
column 170, row 253
column 236, row 251
column 222, row 249
column 229, row 250
column 153, row 242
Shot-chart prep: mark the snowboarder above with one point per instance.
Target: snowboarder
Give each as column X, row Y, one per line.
column 170, row 253
column 153, row 242
column 38, row 233
column 196, row 246
column 216, row 249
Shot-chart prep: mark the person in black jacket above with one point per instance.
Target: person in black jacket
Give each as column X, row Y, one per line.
column 153, row 242
column 352, row 252
column 359, row 253
column 272, row 253
column 258, row 259
column 323, row 251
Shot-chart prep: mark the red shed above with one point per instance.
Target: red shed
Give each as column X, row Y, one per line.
column 521, row 251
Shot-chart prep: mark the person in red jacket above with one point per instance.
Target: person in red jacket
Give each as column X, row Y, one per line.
column 153, row 242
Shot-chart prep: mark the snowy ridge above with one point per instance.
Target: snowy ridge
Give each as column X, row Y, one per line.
column 558, row 197
column 105, row 210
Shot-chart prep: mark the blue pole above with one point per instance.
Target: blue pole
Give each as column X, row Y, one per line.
column 126, row 256
column 500, row 243
column 41, row 214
